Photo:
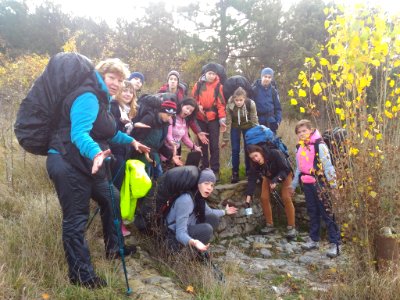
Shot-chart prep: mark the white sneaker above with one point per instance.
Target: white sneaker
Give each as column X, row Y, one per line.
column 310, row 244
column 268, row 229
column 333, row 250
column 291, row 232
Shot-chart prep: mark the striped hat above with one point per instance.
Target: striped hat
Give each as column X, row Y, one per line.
column 168, row 107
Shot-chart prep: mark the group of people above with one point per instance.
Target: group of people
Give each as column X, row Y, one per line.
column 106, row 117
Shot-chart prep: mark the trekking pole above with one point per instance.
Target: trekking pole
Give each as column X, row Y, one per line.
column 117, row 224
column 97, row 210
column 217, row 272
column 277, row 199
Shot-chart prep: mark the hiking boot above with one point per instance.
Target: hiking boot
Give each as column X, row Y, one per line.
column 332, row 251
column 124, row 230
column 128, row 250
column 94, row 283
column 310, row 244
column 268, row 229
column 235, row 177
column 291, row 232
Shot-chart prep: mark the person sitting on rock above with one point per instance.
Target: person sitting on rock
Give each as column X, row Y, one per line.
column 190, row 221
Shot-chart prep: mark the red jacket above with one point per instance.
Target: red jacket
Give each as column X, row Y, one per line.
column 180, row 94
column 213, row 108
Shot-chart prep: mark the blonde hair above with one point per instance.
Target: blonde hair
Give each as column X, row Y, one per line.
column 113, row 65
column 301, row 123
column 127, row 85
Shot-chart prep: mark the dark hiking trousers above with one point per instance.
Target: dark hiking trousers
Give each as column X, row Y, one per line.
column 316, row 211
column 212, row 128
column 74, row 190
column 235, row 145
column 201, row 231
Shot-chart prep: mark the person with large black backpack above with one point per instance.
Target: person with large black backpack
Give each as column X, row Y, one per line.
column 190, row 221
column 266, row 97
column 76, row 141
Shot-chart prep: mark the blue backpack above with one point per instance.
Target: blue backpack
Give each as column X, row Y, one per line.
column 262, row 135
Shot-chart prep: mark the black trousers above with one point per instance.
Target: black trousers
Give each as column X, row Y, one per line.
column 74, row 190
column 212, row 128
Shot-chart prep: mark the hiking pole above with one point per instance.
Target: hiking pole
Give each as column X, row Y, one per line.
column 98, row 208
column 217, row 272
column 277, row 199
column 117, row 224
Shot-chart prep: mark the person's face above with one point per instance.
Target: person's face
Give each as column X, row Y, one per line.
column 127, row 96
column 206, row 188
column 210, row 76
column 137, row 83
column 187, row 110
column 266, row 80
column 257, row 157
column 239, row 101
column 113, row 82
column 165, row 117
column 173, row 82
column 303, row 133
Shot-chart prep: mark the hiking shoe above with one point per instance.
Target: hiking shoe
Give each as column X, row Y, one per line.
column 332, row 251
column 291, row 232
column 310, row 244
column 268, row 229
column 128, row 250
column 124, row 230
column 235, row 177
column 94, row 283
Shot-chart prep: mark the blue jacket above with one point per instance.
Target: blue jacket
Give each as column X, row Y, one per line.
column 267, row 102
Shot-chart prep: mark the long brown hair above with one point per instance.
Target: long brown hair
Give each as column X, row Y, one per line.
column 127, row 85
column 255, row 148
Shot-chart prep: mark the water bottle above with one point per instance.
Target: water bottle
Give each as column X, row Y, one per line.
column 248, row 209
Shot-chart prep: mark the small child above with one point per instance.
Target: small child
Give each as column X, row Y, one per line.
column 316, row 173
column 211, row 116
column 241, row 115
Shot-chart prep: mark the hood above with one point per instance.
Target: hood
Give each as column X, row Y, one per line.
column 315, row 136
column 103, row 86
column 214, row 83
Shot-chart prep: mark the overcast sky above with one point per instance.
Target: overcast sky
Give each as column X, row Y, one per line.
column 111, row 10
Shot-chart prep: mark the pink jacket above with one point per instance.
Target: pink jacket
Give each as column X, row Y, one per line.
column 178, row 133
column 305, row 157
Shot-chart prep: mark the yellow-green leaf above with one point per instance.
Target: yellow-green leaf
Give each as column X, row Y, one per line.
column 293, row 101
column 324, row 62
column 379, row 136
column 373, row 194
column 317, row 89
column 302, row 93
column 302, row 110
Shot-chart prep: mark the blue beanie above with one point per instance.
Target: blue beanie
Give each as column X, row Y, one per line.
column 207, row 175
column 267, row 71
column 137, row 75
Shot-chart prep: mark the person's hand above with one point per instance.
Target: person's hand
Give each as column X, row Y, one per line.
column 203, row 137
column 140, row 147
column 99, row 159
column 230, row 210
column 140, row 125
column 199, row 245
column 177, row 160
column 272, row 186
column 201, row 109
column 224, row 144
column 197, row 148
column 222, row 126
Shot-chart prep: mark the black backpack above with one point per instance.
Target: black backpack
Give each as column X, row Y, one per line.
column 232, row 83
column 154, row 208
column 40, row 111
column 335, row 140
column 148, row 103
column 220, row 71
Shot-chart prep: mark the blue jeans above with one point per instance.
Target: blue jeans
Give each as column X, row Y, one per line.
column 235, row 145
column 316, row 211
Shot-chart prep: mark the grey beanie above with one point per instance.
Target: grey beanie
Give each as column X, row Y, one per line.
column 173, row 72
column 207, row 175
column 267, row 71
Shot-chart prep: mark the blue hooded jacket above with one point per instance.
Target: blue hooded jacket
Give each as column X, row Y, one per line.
column 267, row 102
